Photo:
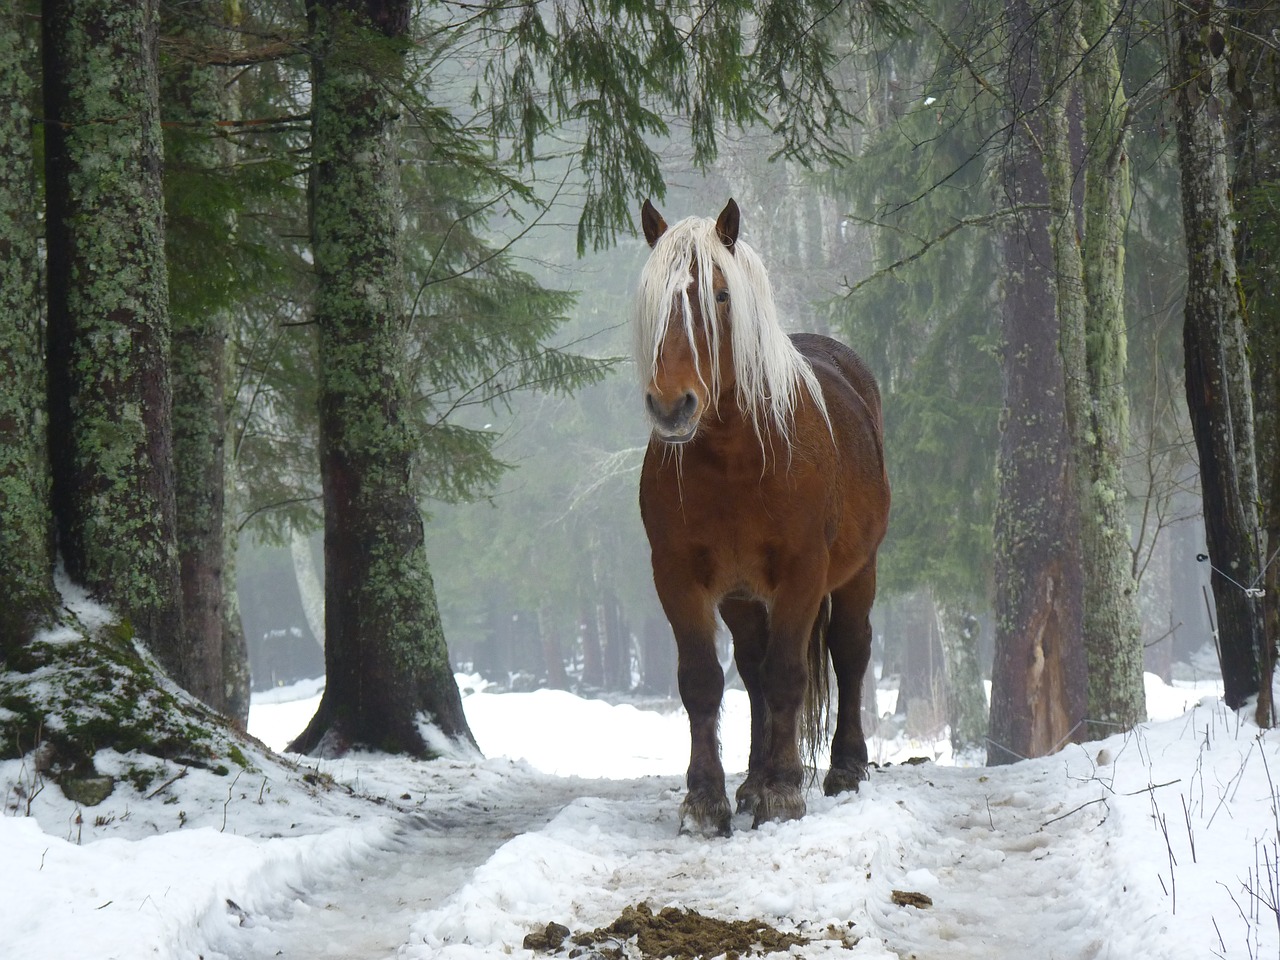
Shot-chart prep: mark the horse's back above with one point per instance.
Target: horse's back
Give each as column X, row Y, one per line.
column 857, row 471
column 823, row 352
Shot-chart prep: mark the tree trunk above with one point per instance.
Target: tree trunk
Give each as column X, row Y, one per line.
column 387, row 666
column 1084, row 128
column 1100, row 429
column 1038, row 675
column 617, row 645
column 110, row 432
column 26, row 543
column 552, row 656
column 592, row 656
column 967, row 711
column 922, row 683
column 310, row 584
column 1156, row 598
column 658, row 655
column 1256, row 190
column 1217, row 363
column 194, row 98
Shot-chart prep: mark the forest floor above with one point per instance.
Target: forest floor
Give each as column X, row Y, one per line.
column 1161, row 843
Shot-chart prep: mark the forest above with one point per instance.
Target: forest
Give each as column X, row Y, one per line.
column 314, row 326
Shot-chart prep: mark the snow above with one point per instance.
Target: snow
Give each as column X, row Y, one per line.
column 1159, row 843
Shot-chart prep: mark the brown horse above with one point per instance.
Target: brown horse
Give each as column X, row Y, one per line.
column 764, row 496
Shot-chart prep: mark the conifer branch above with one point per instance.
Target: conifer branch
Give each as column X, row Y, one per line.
column 985, row 220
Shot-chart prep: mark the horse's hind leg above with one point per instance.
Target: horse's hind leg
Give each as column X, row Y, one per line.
column 849, row 644
column 748, row 621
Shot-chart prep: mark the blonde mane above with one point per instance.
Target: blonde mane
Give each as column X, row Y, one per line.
column 770, row 371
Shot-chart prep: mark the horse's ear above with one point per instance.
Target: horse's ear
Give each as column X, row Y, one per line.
column 727, row 224
column 652, row 223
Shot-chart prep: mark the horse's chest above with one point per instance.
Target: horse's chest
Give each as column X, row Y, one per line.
column 733, row 530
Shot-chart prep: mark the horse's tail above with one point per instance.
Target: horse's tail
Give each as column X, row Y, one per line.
column 817, row 700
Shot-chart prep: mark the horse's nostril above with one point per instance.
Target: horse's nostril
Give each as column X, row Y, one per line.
column 678, row 411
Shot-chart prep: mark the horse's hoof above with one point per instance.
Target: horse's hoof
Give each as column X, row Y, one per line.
column 778, row 803
column 844, row 779
column 705, row 816
column 748, row 795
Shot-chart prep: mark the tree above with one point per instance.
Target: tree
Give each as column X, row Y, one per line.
column 109, row 381
column 1038, row 681
column 386, row 664
column 1218, row 383
column 26, row 544
column 1084, row 129
column 1255, row 128
column 199, row 220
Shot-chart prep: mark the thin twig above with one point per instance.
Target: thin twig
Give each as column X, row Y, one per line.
column 1088, row 803
column 168, row 783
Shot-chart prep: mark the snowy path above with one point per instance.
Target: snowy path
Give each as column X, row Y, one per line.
column 365, row 913
column 1167, row 850
column 1018, row 863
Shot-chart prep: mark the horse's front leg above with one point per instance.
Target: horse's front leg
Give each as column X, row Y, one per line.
column 705, row 809
column 785, row 680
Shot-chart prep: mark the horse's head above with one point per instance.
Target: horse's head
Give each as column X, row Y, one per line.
column 687, row 337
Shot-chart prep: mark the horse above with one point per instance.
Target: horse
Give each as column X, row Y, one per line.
column 764, row 496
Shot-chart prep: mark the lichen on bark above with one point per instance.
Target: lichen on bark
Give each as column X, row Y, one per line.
column 385, row 655
column 110, row 438
column 26, row 551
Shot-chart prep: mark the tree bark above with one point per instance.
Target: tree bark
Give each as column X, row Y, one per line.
column 195, row 97
column 26, row 541
column 1217, row 363
column 388, row 673
column 1100, row 428
column 1255, row 127
column 1084, row 129
column 110, row 431
column 1038, row 675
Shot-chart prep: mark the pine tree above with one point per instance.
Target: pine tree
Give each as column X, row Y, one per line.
column 199, row 223
column 1085, row 129
column 110, row 397
column 386, row 664
column 1038, row 682
column 26, row 545
column 1218, row 385
column 922, row 183
column 1255, row 134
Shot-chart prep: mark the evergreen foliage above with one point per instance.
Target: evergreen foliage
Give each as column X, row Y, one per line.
column 927, row 321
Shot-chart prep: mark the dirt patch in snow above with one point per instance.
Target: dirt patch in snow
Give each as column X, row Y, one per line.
column 669, row 933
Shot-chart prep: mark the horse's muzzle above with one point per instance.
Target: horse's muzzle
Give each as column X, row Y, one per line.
column 674, row 422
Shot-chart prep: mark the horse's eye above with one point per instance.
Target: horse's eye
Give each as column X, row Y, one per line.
column 722, row 296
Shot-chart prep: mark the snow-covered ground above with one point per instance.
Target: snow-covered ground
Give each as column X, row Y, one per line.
column 1162, row 843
